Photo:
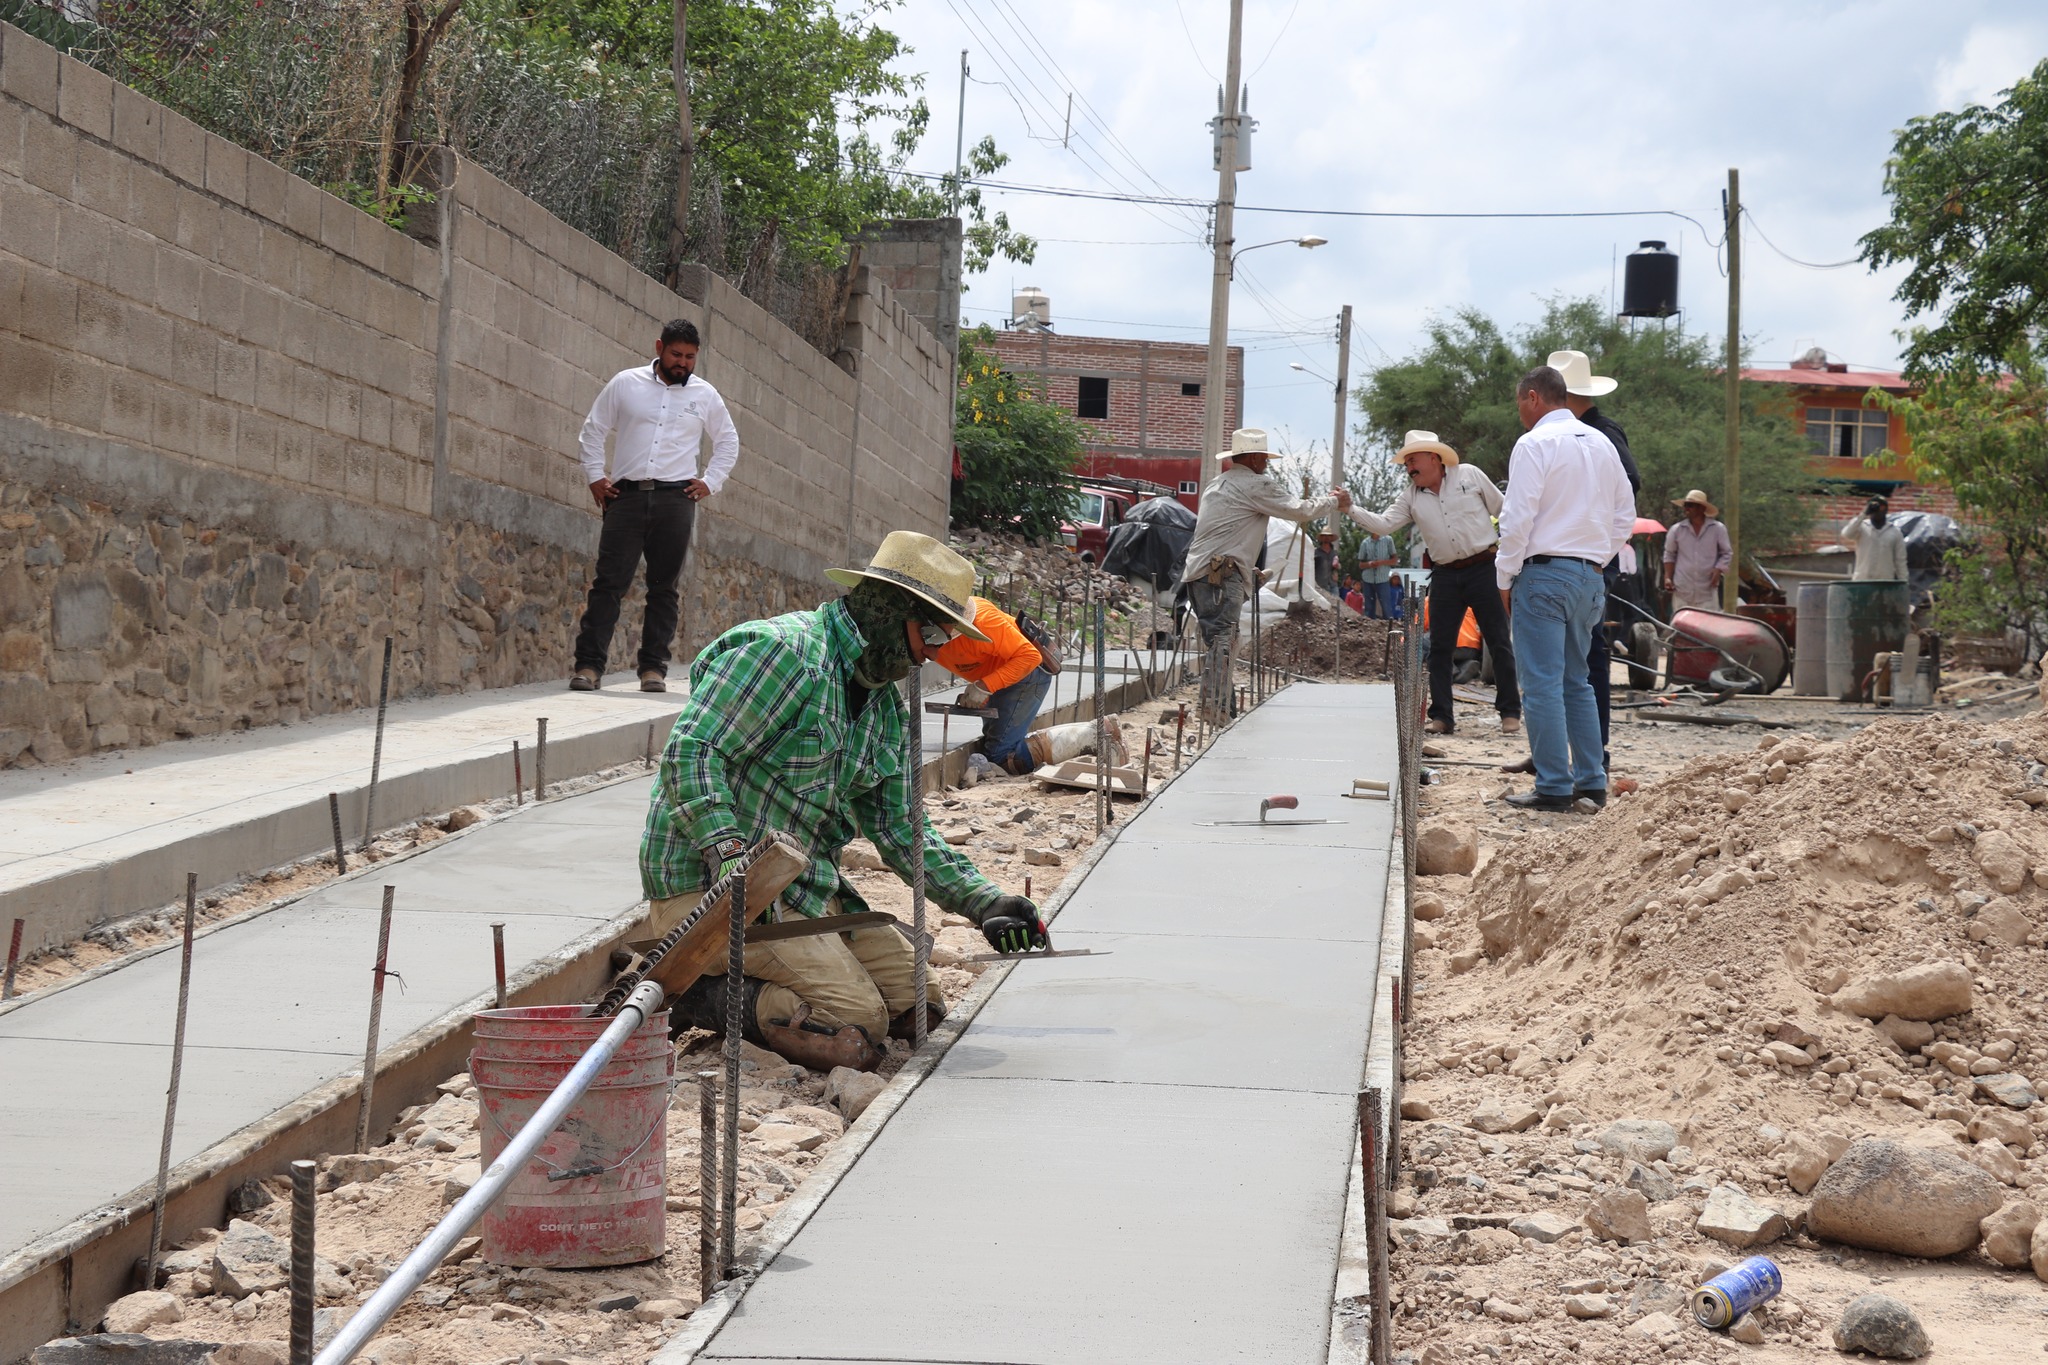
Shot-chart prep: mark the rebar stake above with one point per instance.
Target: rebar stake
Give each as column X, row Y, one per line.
column 735, row 997
column 163, row 1155
column 13, row 960
column 376, row 1019
column 302, row 1262
column 518, row 778
column 1369, row 1110
column 540, row 762
column 377, row 752
column 498, row 952
column 650, row 746
column 707, row 1183
column 334, row 815
column 920, row 971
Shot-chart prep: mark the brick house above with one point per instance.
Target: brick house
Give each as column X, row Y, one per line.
column 1140, row 400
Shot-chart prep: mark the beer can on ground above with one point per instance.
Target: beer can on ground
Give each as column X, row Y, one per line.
column 1732, row 1293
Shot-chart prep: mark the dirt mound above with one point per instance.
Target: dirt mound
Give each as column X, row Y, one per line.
column 1309, row 646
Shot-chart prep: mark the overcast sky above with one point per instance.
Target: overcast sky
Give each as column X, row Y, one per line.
column 1470, row 107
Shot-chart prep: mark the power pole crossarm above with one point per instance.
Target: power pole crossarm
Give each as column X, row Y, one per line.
column 1731, row 497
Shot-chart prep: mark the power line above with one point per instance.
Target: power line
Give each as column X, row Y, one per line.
column 1284, row 25
column 1810, row 265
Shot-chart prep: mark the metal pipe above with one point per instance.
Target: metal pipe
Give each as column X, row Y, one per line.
column 735, row 1025
column 163, row 1155
column 377, row 752
column 642, row 1005
column 1145, row 773
column 13, row 960
column 334, row 815
column 920, row 971
column 707, row 1183
column 518, row 778
column 540, row 762
column 376, row 1018
column 1103, row 815
column 650, row 746
column 1180, row 728
column 498, row 952
column 302, row 1262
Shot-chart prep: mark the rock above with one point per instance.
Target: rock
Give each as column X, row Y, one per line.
column 1888, row 1196
column 1734, row 799
column 1588, row 1306
column 462, row 817
column 1504, row 1116
column 248, row 1197
column 461, row 1181
column 1910, row 1035
column 618, row 1303
column 1417, row 1231
column 1620, row 1216
column 247, row 1260
column 1041, row 857
column 660, row 1310
column 1507, row 1311
column 851, row 1092
column 1784, row 1054
column 1445, row 847
column 1746, row 1329
column 794, row 1135
column 1465, row 960
column 2009, row 1089
column 450, row 1113
column 1649, row 1182
column 2000, row 923
column 1881, row 1326
column 2009, row 1234
column 1993, row 1158
column 153, row 1308
column 1646, row 1140
column 859, row 856
column 434, row 1140
column 355, row 1167
column 1652, row 1295
column 328, row 1321
column 1663, row 1329
column 1933, row 990
column 2004, row 862
column 1428, row 906
column 1418, row 1110
column 1794, row 1032
column 811, row 1116
column 1805, row 1162
column 1542, row 1227
column 1999, row 1126
column 2040, row 1250
column 121, row 1348
column 1731, row 1216
column 252, row 1353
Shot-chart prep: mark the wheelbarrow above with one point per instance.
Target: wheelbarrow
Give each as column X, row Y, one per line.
column 1752, row 657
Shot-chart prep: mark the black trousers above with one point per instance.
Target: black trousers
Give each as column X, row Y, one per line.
column 1600, row 658
column 1451, row 593
column 650, row 523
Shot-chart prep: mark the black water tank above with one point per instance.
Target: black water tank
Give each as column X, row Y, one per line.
column 1649, row 283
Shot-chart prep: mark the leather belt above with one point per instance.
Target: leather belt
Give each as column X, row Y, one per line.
column 647, row 485
column 1564, row 559
column 1469, row 560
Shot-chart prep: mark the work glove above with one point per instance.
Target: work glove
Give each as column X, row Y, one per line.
column 721, row 858
column 1012, row 925
column 974, row 697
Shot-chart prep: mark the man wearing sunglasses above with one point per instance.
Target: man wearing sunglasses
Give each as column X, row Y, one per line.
column 798, row 724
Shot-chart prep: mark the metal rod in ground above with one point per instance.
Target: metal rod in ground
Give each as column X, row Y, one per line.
column 518, row 778
column 368, row 1320
column 1370, row 1104
column 302, row 1262
column 163, row 1154
column 735, row 1024
column 13, row 960
column 650, row 745
column 707, row 1183
column 920, row 969
column 1180, row 728
column 1102, row 811
column 498, row 952
column 377, row 751
column 334, row 815
column 540, row 761
column 376, row 1019
column 1145, row 773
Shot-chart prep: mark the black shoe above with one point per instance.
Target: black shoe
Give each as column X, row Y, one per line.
column 702, row 1006
column 1594, row 796
column 1527, row 765
column 1538, row 801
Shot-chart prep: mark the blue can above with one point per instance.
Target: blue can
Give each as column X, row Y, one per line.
column 1726, row 1297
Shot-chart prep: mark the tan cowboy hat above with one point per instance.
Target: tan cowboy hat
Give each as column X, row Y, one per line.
column 1696, row 496
column 1419, row 441
column 1579, row 379
column 1246, row 441
column 926, row 570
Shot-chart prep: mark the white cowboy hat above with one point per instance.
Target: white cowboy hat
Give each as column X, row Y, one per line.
column 1246, row 441
column 926, row 570
column 1419, row 441
column 1579, row 379
column 1696, row 496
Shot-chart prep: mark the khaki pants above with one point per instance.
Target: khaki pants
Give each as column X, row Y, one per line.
column 865, row 977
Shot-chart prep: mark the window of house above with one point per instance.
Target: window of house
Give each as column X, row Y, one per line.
column 1191, row 390
column 1093, row 398
column 1847, row 433
column 1190, row 486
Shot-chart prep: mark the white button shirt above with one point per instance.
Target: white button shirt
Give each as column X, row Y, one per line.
column 1456, row 521
column 658, row 430
column 1567, row 495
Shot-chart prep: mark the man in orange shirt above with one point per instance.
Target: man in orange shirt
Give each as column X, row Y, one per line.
column 1004, row 671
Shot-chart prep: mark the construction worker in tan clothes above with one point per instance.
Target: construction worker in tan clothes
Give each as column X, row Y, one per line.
column 1007, row 671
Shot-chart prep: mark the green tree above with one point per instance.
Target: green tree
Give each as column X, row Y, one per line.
column 1969, row 217
column 1018, row 452
column 1461, row 384
column 1986, row 437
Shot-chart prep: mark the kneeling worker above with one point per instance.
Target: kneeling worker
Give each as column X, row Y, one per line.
column 1004, row 670
column 796, row 724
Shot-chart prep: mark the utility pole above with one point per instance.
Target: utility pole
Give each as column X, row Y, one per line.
column 1343, row 392
column 1731, row 474
column 1214, row 396
column 960, row 137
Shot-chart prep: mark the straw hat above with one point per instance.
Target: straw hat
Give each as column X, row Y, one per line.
column 926, row 570
column 1696, row 496
column 1579, row 379
column 1246, row 441
column 1419, row 441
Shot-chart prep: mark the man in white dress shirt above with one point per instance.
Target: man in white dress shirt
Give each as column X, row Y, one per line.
column 657, row 418
column 1569, row 509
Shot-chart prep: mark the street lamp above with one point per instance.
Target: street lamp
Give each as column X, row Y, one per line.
column 1214, row 404
column 1308, row 243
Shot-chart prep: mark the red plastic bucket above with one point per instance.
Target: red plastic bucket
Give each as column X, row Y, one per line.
column 595, row 1192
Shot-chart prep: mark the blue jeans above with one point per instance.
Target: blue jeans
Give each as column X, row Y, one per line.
column 1382, row 600
column 1002, row 738
column 1556, row 606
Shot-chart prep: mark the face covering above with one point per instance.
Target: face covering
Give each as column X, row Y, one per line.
column 881, row 611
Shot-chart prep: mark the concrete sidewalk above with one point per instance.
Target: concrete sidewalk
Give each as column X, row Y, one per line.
column 1142, row 1157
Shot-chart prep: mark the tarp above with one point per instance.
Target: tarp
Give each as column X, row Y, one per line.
column 1929, row 537
column 1150, row 544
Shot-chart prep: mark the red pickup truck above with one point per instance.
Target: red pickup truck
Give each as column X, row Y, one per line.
column 1099, row 505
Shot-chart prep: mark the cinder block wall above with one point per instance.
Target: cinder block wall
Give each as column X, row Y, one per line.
column 247, row 431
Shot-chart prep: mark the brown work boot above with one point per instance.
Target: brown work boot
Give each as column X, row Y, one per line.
column 650, row 681
column 585, row 680
column 813, row 1045
column 902, row 1026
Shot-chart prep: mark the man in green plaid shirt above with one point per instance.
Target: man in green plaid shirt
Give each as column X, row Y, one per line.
column 795, row 724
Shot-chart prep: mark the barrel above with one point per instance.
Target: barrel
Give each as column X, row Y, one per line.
column 1810, row 642
column 1863, row 618
column 594, row 1193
